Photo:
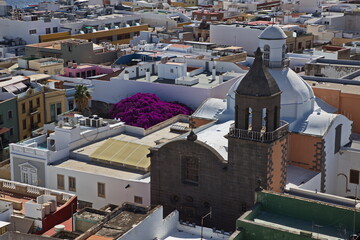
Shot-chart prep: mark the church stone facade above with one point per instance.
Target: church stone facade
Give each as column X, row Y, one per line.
column 192, row 177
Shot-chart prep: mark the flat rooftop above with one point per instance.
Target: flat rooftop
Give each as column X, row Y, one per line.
column 100, row 169
column 123, row 222
column 149, row 140
column 286, row 223
column 115, row 170
column 351, row 89
column 205, row 80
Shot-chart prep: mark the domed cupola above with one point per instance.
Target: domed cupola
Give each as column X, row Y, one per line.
column 273, row 45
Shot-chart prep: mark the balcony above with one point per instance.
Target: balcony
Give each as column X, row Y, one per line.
column 33, row 111
column 259, row 136
column 277, row 64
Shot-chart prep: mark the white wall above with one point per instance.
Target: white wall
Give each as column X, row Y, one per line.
column 349, row 160
column 117, row 89
column 313, row 184
column 332, row 162
column 86, row 187
column 6, row 210
column 235, row 36
column 154, row 226
column 34, row 210
column 13, row 29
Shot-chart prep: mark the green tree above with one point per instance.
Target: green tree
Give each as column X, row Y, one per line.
column 82, row 98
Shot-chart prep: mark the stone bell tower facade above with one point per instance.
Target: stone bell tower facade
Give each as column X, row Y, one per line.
column 258, row 140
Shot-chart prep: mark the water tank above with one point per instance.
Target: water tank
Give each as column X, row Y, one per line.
column 59, row 228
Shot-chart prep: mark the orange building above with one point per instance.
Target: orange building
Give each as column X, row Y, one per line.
column 346, row 98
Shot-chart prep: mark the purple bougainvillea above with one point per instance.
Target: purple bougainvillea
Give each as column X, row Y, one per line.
column 146, row 110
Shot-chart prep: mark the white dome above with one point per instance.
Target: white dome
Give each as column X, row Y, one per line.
column 272, row 33
column 297, row 97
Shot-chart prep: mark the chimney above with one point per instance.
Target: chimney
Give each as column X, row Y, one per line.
column 213, row 73
column 147, row 74
column 221, row 79
column 126, row 75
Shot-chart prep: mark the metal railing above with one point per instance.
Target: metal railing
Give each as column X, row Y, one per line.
column 277, row 64
column 259, row 136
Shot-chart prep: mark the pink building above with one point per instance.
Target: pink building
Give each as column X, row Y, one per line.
column 86, row 70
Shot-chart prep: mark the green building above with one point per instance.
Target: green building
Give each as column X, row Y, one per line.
column 282, row 217
column 8, row 120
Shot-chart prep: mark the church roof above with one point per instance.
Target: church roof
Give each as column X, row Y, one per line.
column 258, row 81
column 273, row 33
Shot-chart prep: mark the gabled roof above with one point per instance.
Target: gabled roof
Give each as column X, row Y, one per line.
column 258, row 81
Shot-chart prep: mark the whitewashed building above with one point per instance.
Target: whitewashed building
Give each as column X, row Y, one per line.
column 100, row 161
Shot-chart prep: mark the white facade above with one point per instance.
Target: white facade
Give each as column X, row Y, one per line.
column 36, row 162
column 108, row 21
column 119, row 88
column 169, row 228
column 116, row 190
column 235, row 36
column 348, row 159
column 28, row 30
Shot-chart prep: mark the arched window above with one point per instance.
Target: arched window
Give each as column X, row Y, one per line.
column 283, row 51
column 249, row 119
column 276, row 118
column 264, row 119
column 266, row 52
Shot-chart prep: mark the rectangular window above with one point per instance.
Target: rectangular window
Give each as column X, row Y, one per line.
column 23, row 109
column 138, row 199
column 337, row 138
column 55, row 29
column 38, row 118
column 38, row 102
column 71, row 104
column 190, row 170
column 101, row 189
column 11, row 131
column 1, row 119
column 10, row 114
column 52, row 113
column 32, row 31
column 24, row 124
column 58, row 108
column 354, row 176
column 31, row 105
column 72, row 184
column 60, row 182
column 48, row 30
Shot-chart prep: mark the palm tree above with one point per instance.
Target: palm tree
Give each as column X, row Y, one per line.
column 82, row 97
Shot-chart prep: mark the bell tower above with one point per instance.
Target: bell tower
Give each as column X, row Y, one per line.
column 257, row 149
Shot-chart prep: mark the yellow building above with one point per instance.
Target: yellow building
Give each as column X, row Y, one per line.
column 51, row 66
column 115, row 36
column 55, row 104
column 30, row 111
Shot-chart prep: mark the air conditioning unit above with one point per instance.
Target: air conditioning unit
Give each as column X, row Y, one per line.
column 95, row 122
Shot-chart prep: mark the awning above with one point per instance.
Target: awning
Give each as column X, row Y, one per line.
column 4, row 130
column 125, row 154
column 21, row 86
column 11, row 88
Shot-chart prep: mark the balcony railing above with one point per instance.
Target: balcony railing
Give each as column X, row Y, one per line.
column 259, row 136
column 277, row 64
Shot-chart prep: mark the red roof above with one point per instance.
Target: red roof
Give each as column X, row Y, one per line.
column 4, row 130
column 67, row 224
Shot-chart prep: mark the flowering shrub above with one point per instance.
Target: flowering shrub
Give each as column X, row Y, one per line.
column 146, row 110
